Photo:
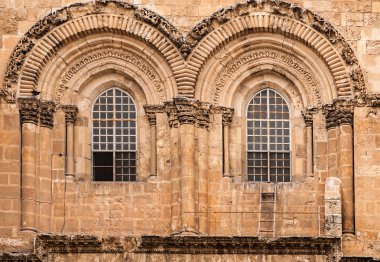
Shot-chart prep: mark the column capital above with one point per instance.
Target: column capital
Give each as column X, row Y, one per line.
column 47, row 110
column 340, row 112
column 71, row 112
column 29, row 109
column 184, row 110
column 308, row 115
column 151, row 111
column 227, row 114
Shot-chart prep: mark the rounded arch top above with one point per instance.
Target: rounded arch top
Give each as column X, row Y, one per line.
column 77, row 21
column 186, row 54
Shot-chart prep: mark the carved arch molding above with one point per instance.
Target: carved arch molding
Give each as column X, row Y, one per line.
column 185, row 55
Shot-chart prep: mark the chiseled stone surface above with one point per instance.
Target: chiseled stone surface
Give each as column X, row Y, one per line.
column 191, row 81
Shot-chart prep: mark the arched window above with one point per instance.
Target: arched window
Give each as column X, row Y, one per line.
column 114, row 137
column 268, row 138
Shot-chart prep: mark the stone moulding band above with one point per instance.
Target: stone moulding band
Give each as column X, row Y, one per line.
column 329, row 246
column 49, row 34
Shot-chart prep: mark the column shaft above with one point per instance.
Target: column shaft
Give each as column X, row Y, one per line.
column 347, row 177
column 226, row 151
column 70, row 148
column 202, row 180
column 175, row 181
column 309, row 150
column 153, row 149
column 28, row 181
column 187, row 174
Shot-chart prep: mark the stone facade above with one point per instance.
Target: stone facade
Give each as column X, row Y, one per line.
column 191, row 68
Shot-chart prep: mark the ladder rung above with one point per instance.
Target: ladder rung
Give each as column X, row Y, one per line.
column 270, row 201
column 266, row 230
column 266, row 220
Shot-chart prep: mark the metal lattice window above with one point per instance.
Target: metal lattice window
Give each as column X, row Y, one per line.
column 268, row 138
column 114, row 137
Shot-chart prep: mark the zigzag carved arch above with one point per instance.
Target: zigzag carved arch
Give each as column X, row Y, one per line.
column 185, row 54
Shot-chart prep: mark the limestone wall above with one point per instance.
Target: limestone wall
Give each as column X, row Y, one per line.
column 77, row 205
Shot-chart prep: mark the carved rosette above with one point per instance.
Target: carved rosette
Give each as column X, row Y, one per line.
column 341, row 112
column 151, row 111
column 188, row 111
column 47, row 110
column 71, row 112
column 29, row 110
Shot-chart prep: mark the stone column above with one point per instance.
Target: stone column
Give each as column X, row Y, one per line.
column 187, row 119
column 71, row 112
column 308, row 117
column 29, row 114
column 346, row 165
column 203, row 122
column 174, row 169
column 47, row 110
column 339, row 119
column 332, row 140
column 227, row 121
column 151, row 111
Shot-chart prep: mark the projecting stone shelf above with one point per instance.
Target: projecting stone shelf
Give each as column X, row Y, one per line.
column 240, row 245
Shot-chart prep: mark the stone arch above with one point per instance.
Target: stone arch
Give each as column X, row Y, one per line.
column 78, row 21
column 105, row 53
column 245, row 57
column 278, row 18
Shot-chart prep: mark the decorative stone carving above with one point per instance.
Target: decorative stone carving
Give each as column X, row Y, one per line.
column 227, row 116
column 108, row 53
column 339, row 113
column 45, row 244
column 201, row 29
column 148, row 16
column 185, row 44
column 308, row 115
column 203, row 115
column 238, row 245
column 253, row 56
column 151, row 111
column 47, row 110
column 188, row 111
column 29, row 110
column 48, row 23
column 71, row 112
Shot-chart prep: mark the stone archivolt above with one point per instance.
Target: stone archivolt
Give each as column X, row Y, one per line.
column 43, row 40
column 254, row 57
column 99, row 55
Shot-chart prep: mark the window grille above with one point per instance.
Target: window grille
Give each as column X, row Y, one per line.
column 268, row 138
column 114, row 137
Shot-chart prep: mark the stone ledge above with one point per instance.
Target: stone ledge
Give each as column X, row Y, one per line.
column 239, row 245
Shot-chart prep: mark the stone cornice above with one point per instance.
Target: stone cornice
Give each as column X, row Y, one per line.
column 71, row 112
column 29, row 110
column 240, row 245
column 45, row 244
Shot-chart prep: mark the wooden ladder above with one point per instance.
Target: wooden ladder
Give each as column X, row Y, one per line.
column 267, row 218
